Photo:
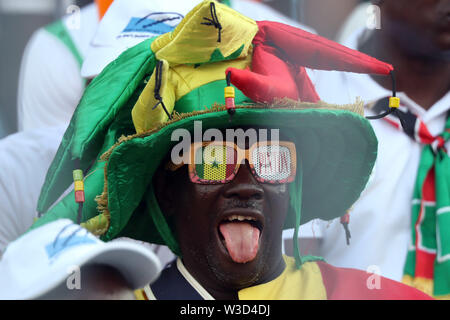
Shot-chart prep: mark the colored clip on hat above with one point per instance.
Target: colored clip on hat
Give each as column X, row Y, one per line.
column 36, row 263
column 122, row 128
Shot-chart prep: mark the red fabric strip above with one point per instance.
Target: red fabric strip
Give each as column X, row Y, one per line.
column 428, row 188
column 316, row 52
column 424, row 134
column 424, row 264
column 352, row 284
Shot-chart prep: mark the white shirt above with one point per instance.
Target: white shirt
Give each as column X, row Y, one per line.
column 24, row 161
column 380, row 221
column 50, row 83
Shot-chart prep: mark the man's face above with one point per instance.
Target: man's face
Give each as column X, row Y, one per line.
column 215, row 245
column 421, row 25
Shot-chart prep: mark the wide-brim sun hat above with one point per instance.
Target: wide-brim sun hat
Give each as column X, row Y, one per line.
column 121, row 130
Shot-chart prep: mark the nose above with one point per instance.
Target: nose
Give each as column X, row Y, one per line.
column 244, row 185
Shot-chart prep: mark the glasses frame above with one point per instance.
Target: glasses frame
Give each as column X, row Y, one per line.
column 242, row 154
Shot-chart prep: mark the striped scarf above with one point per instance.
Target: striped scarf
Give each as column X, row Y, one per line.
column 427, row 264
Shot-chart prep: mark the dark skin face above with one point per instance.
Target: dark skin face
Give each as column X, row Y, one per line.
column 419, row 26
column 415, row 38
column 197, row 211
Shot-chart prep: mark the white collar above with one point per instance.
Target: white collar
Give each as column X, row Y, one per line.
column 189, row 278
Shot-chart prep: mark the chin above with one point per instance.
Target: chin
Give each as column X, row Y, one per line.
column 240, row 275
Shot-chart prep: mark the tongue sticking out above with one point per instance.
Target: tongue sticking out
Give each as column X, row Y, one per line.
column 241, row 240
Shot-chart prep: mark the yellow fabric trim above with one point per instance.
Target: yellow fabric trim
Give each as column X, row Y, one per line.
column 424, row 285
column 143, row 113
column 305, row 283
column 192, row 42
column 97, row 225
column 139, row 294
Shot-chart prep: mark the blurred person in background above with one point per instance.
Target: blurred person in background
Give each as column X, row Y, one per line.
column 50, row 86
column 50, row 83
column 407, row 198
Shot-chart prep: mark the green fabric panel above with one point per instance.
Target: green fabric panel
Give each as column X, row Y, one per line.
column 434, row 224
column 68, row 208
column 442, row 226
column 426, row 163
column 58, row 29
column 94, row 179
column 428, row 228
column 141, row 226
column 99, row 106
column 160, row 222
column 206, row 96
column 218, row 56
column 309, row 258
column 410, row 263
column 442, row 276
column 295, row 193
column 108, row 92
column 441, row 269
column 443, row 198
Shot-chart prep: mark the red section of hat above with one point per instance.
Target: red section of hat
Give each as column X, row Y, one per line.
column 280, row 55
column 303, row 48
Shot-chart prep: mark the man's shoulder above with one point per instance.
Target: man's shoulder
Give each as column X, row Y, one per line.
column 353, row 284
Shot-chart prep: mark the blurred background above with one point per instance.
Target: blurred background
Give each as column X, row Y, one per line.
column 20, row 18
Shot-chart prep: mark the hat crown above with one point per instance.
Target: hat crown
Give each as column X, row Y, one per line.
column 211, row 38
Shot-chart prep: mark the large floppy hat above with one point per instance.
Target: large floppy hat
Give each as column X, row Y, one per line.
column 122, row 127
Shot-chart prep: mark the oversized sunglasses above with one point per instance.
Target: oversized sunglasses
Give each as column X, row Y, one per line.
column 219, row 162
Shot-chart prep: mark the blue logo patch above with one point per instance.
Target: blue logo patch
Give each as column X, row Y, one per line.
column 63, row 243
column 156, row 23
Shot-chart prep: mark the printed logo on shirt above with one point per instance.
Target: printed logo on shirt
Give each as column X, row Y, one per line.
column 153, row 24
column 62, row 243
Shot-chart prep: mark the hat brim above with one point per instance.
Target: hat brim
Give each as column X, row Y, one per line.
column 137, row 264
column 337, row 149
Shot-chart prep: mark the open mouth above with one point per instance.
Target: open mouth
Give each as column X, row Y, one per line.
column 240, row 236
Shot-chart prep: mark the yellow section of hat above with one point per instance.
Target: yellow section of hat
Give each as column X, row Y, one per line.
column 192, row 55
